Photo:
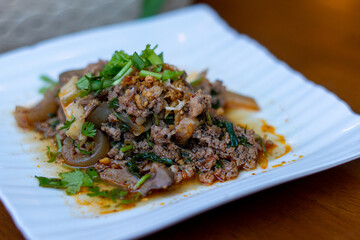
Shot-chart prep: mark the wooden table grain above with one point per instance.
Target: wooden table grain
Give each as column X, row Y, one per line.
column 321, row 39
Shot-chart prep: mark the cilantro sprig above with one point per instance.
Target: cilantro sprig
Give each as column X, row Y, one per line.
column 71, row 181
column 50, row 84
column 113, row 194
column 68, row 123
column 122, row 65
column 88, row 129
column 51, row 155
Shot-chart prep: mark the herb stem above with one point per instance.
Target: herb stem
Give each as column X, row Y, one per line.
column 156, row 119
column 233, row 139
column 144, row 73
column 59, row 145
column 208, row 118
column 122, row 71
column 148, row 139
column 142, row 180
column 127, row 148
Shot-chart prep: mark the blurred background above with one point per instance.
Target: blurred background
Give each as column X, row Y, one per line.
column 319, row 38
column 25, row 22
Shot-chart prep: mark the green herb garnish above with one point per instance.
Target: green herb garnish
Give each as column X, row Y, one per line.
column 216, row 105
column 148, row 139
column 169, row 120
column 67, row 124
column 126, row 70
column 156, row 119
column 133, row 168
column 261, row 141
column 150, row 55
column 127, row 147
column 142, row 180
column 50, row 182
column 233, row 139
column 219, row 164
column 144, row 73
column 58, row 141
column 197, row 81
column 72, row 181
column 92, row 173
column 152, row 157
column 208, row 118
column 49, row 82
column 114, row 103
column 243, row 141
column 85, row 152
column 186, row 156
column 88, row 129
column 51, row 155
column 138, row 62
column 171, row 75
column 112, row 194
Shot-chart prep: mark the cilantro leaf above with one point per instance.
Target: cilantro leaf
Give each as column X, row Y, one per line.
column 50, row 84
column 50, row 182
column 114, row 103
column 113, row 194
column 133, row 168
column 84, row 82
column 117, row 62
column 88, row 129
column 67, row 124
column 233, row 139
column 74, row 180
column 92, row 173
column 150, row 55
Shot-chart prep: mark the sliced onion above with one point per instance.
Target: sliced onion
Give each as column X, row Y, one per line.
column 100, row 114
column 26, row 117
column 101, row 148
column 236, row 101
column 137, row 130
column 147, row 125
column 178, row 107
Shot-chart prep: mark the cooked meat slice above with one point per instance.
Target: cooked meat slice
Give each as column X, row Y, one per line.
column 162, row 178
column 198, row 103
column 121, row 177
column 27, row 117
column 66, row 76
column 93, row 103
column 94, row 68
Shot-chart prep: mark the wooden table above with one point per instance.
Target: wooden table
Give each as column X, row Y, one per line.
column 321, row 39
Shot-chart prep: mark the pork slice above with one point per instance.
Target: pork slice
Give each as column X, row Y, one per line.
column 66, row 76
column 94, row 68
column 121, row 177
column 161, row 178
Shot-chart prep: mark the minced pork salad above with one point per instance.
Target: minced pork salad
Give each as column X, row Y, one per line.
column 136, row 122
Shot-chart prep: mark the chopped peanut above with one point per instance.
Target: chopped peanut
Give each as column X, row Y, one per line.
column 220, row 111
column 138, row 102
column 104, row 160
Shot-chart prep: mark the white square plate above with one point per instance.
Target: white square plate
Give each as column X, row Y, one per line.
column 314, row 121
